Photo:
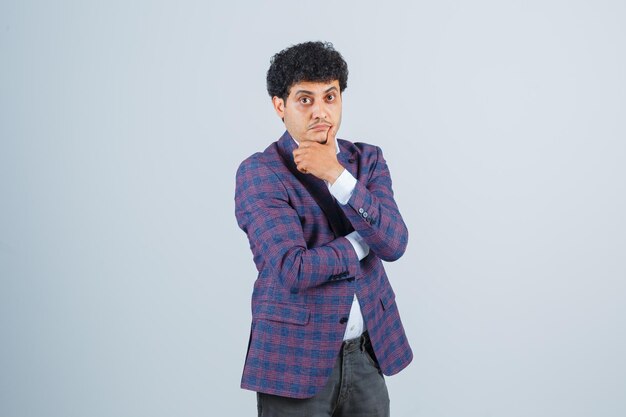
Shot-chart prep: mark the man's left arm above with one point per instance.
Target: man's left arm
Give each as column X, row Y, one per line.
column 373, row 211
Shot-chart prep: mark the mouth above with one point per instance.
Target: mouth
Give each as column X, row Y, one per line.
column 320, row 127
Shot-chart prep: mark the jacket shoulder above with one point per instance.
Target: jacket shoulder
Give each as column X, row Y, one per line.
column 260, row 160
column 261, row 171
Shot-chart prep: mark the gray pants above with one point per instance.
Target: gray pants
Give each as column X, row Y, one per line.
column 356, row 388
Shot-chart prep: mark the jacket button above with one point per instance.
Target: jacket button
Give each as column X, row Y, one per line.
column 343, row 320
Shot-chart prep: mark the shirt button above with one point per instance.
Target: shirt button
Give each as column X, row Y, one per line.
column 361, row 210
column 343, row 320
column 365, row 215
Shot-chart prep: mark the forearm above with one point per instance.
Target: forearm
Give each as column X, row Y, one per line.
column 298, row 268
column 378, row 221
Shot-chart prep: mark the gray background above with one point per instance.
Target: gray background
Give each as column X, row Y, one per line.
column 125, row 282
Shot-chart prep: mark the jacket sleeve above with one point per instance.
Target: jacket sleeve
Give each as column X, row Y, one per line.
column 374, row 213
column 264, row 213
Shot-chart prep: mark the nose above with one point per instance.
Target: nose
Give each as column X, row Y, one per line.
column 320, row 111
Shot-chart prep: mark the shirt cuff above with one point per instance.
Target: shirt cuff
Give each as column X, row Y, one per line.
column 360, row 247
column 343, row 187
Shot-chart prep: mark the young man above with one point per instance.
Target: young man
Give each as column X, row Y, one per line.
column 320, row 216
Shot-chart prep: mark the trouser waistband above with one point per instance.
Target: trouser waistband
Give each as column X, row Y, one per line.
column 358, row 343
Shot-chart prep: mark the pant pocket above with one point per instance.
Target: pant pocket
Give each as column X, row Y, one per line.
column 371, row 356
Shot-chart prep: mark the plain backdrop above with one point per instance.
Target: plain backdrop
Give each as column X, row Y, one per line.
column 125, row 282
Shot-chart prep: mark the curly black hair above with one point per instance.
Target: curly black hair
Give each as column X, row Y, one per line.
column 308, row 61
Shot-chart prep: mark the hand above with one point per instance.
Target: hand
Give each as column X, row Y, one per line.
column 319, row 159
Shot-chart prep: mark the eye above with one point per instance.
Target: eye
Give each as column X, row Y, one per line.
column 330, row 97
column 305, row 100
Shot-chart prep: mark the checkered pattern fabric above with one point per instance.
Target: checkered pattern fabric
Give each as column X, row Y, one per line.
column 308, row 272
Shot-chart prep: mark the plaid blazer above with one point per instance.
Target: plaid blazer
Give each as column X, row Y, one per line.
column 308, row 272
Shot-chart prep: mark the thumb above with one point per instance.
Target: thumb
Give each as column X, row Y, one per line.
column 330, row 136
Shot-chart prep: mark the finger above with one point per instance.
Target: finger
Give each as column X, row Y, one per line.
column 298, row 153
column 303, row 145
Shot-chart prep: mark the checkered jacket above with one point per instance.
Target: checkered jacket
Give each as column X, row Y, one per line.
column 308, row 272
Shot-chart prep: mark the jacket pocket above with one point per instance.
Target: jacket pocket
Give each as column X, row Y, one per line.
column 283, row 313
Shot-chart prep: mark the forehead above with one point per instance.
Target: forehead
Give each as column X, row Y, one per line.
column 314, row 87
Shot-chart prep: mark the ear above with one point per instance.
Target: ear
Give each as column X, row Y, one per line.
column 279, row 106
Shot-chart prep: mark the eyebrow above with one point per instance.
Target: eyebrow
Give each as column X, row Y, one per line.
column 311, row 92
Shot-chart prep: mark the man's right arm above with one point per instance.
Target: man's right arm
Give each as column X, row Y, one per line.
column 275, row 233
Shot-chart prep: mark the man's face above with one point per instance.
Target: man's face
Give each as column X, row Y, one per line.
column 310, row 110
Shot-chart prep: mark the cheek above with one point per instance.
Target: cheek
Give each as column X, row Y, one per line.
column 299, row 117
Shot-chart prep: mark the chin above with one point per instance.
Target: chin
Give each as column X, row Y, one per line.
column 320, row 138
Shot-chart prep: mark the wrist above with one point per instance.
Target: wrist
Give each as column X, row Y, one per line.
column 334, row 173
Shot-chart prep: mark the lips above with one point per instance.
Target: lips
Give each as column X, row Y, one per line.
column 320, row 127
